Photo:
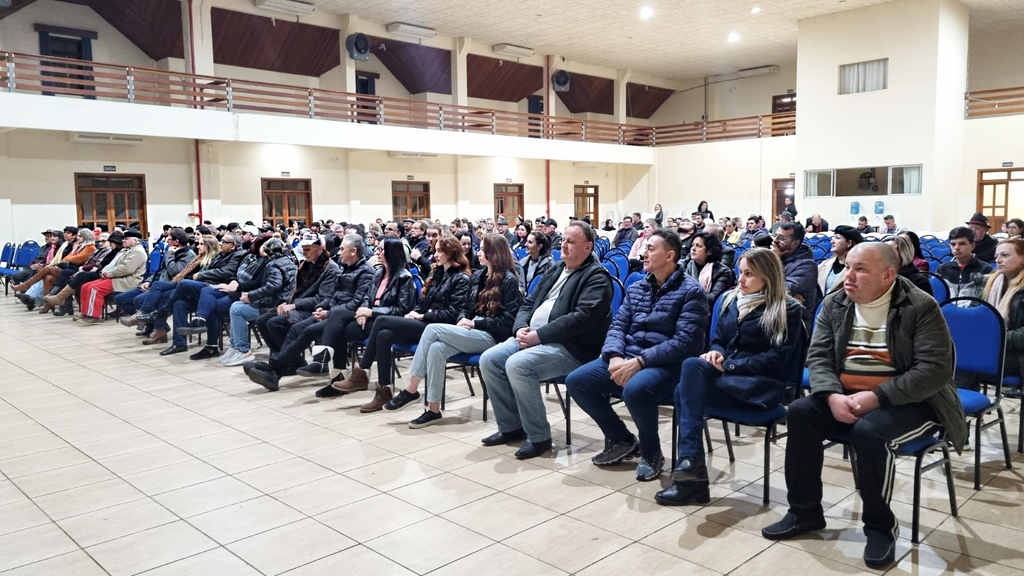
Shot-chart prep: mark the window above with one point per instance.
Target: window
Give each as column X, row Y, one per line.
column 878, row 181
column 66, row 43
column 585, row 202
column 818, row 183
column 287, row 199
column 905, row 180
column 864, row 76
column 508, row 201
column 106, row 201
column 410, row 200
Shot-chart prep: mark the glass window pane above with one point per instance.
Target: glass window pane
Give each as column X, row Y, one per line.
column 300, row 202
column 123, row 183
column 101, row 206
column 87, row 206
column 415, row 187
column 120, row 210
column 1000, row 199
column 994, row 175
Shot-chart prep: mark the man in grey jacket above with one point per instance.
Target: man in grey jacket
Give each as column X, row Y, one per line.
column 176, row 256
column 881, row 367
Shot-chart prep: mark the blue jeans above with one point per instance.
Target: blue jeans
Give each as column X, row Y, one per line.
column 213, row 306
column 183, row 300
column 158, row 294
column 241, row 314
column 438, row 343
column 129, row 301
column 698, row 387
column 513, row 378
column 591, row 385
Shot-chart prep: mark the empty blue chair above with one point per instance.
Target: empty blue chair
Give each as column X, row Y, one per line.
column 520, row 253
column 979, row 336
column 611, row 267
column 634, row 277
column 533, row 285
column 939, row 287
column 556, row 255
column 622, row 263
column 7, row 257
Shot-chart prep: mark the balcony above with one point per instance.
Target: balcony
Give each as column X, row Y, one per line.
column 998, row 102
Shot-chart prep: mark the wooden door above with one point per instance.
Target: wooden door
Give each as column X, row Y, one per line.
column 106, row 201
column 508, row 201
column 1000, row 195
column 410, row 200
column 781, row 188
column 287, row 199
column 585, row 201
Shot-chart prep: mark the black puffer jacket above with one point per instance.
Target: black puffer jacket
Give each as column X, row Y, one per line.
column 278, row 283
column 223, row 268
column 445, row 297
column 399, row 296
column 499, row 324
column 351, row 288
column 320, row 278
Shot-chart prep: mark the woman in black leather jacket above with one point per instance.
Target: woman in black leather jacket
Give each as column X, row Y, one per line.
column 705, row 266
column 444, row 295
column 391, row 294
column 486, row 318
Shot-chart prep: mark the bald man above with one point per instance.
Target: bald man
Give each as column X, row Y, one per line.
column 881, row 364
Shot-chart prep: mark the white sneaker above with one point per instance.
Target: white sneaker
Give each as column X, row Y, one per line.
column 240, row 358
column 226, row 355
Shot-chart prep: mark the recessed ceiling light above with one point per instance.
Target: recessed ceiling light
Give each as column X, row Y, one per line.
column 734, row 37
column 755, row 10
column 646, row 13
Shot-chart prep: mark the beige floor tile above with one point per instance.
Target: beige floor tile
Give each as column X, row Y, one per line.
column 393, row 473
column 207, row 496
column 567, row 544
column 501, row 473
column 154, row 547
column 20, row 515
column 442, row 493
column 742, row 512
column 52, row 481
column 979, row 540
column 780, row 560
column 995, row 509
column 925, row 560
column 452, row 455
column 42, row 462
column 316, row 440
column 232, row 523
column 851, row 508
column 1009, row 483
column 559, row 492
column 326, row 494
column 626, row 515
column 283, row 475
column 117, row 521
column 148, row 459
column 499, row 516
column 173, row 477
column 123, row 444
column 248, row 458
column 209, row 444
column 217, row 561
column 77, row 563
column 430, row 544
column 614, row 477
column 355, row 560
column 511, row 562
column 702, row 541
column 407, row 441
column 31, row 445
column 21, row 430
column 638, row 557
column 32, row 545
column 844, row 542
column 9, row 493
column 372, row 517
column 290, row 546
column 76, row 501
column 179, row 433
column 350, row 456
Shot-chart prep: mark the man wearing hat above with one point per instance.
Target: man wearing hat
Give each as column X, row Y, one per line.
column 984, row 245
column 551, row 229
column 249, row 233
column 504, row 231
column 122, row 274
column 832, row 272
column 784, row 216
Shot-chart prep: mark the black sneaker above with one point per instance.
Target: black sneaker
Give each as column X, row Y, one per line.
column 425, row 419
column 615, row 452
column 403, row 398
column 206, row 352
column 880, row 550
column 313, row 369
column 328, row 392
column 195, row 326
column 790, row 527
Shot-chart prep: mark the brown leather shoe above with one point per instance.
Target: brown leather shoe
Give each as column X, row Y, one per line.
column 157, row 337
column 357, row 381
column 382, row 397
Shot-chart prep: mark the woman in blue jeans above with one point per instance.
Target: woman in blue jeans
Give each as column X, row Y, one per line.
column 277, row 286
column 159, row 292
column 490, row 310
column 758, row 330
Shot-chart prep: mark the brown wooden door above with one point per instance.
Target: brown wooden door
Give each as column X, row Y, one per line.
column 783, row 103
column 585, row 201
column 105, row 201
column 508, row 201
column 287, row 199
column 1000, row 195
column 410, row 200
column 781, row 188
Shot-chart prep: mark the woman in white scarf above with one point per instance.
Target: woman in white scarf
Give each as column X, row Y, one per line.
column 1004, row 291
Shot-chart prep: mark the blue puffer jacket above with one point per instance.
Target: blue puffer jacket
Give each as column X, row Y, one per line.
column 663, row 327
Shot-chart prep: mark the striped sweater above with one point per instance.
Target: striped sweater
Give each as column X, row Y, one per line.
column 867, row 362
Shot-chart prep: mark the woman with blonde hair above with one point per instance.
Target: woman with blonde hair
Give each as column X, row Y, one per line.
column 1003, row 290
column 757, row 331
column 905, row 252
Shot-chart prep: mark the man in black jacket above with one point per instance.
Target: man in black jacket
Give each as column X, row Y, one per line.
column 561, row 326
column 421, row 254
column 965, row 274
column 626, row 232
column 314, row 283
column 801, row 271
column 353, row 284
column 984, row 245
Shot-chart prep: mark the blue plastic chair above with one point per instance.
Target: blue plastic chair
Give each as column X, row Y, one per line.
column 520, row 253
column 622, row 263
column 979, row 336
column 611, row 267
column 556, row 255
column 7, row 257
column 633, row 277
column 533, row 285
column 716, row 310
column 939, row 287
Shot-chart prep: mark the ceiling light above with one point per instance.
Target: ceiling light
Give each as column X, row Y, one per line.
column 286, row 6
column 755, row 10
column 734, row 37
column 411, row 30
column 646, row 13
column 513, row 50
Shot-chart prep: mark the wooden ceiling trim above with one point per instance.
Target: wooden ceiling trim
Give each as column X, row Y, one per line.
column 152, row 25
column 642, row 101
column 504, row 80
column 419, row 68
column 277, row 45
column 589, row 94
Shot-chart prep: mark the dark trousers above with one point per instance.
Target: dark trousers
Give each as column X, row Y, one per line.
column 388, row 330
column 213, row 306
column 291, row 357
column 81, row 279
column 126, row 301
column 184, row 299
column 698, row 388
column 591, row 386
column 340, row 330
column 873, row 439
column 62, row 279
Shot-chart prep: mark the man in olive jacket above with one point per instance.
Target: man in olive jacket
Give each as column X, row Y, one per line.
column 881, row 367
column 560, row 327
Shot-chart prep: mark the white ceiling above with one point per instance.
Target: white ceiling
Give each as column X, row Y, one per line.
column 685, row 39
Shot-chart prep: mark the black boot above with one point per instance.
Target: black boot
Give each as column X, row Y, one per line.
column 694, row 488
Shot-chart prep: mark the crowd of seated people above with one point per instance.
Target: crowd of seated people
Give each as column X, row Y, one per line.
column 322, row 295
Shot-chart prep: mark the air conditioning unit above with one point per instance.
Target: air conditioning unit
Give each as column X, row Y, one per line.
column 758, row 71
column 411, row 30
column 92, row 138
column 411, row 155
column 287, row 6
column 513, row 50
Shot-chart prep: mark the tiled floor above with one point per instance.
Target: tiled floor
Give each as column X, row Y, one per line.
column 117, row 461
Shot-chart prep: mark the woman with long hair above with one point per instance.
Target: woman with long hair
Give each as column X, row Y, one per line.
column 705, row 266
column 486, row 318
column 919, row 262
column 703, row 210
column 442, row 298
column 468, row 243
column 69, row 256
column 609, row 225
column 537, row 260
column 1003, row 290
column 758, row 329
column 523, row 230
column 659, row 215
column 905, row 252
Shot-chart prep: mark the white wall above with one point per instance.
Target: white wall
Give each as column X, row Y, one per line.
column 731, row 98
column 996, row 59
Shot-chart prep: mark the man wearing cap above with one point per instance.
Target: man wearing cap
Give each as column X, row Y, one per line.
column 984, row 245
column 784, row 216
column 122, row 274
column 832, row 272
column 249, row 233
column 891, row 228
column 504, row 231
column 551, row 229
column 176, row 258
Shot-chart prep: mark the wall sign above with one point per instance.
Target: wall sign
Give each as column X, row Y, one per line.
column 586, row 182
column 286, row 174
column 792, row 174
column 410, row 177
column 109, row 168
column 1007, row 164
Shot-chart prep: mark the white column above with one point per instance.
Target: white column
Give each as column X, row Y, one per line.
column 349, row 25
column 622, row 78
column 197, row 30
column 460, row 82
column 551, row 104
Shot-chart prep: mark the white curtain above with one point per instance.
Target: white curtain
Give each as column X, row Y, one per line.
column 911, row 179
column 864, row 76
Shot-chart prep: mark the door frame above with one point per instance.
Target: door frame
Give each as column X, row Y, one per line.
column 308, row 192
column 522, row 200
column 426, row 192
column 776, row 208
column 143, row 205
column 979, row 202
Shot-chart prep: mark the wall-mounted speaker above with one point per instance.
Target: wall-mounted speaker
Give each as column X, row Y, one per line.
column 560, row 81
column 358, row 46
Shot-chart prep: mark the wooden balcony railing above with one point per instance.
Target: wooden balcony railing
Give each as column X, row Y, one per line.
column 984, row 103
column 62, row 76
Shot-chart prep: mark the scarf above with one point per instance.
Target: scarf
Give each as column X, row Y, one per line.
column 747, row 303
column 999, row 296
column 705, row 277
